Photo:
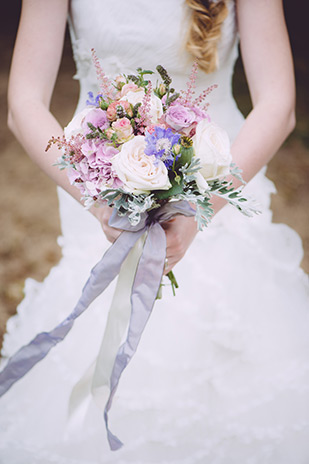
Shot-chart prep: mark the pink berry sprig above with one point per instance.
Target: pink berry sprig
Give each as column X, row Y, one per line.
column 188, row 94
column 105, row 83
column 199, row 100
column 143, row 120
column 71, row 148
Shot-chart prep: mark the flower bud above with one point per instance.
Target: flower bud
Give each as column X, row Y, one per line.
column 162, row 89
column 120, row 81
column 176, row 148
column 109, row 133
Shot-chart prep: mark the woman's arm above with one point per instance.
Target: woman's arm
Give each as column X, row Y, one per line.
column 34, row 69
column 268, row 65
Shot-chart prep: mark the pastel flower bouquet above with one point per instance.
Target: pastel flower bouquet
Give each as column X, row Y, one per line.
column 136, row 146
column 151, row 153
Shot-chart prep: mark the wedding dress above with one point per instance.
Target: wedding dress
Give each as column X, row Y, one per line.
column 221, row 375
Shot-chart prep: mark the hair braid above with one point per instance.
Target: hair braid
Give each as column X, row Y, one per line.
column 205, row 31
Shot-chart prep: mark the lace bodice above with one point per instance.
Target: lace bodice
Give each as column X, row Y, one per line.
column 127, row 35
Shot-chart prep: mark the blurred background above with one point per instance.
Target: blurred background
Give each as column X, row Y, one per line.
column 28, row 203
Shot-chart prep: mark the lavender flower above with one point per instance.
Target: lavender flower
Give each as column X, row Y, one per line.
column 160, row 143
column 93, row 101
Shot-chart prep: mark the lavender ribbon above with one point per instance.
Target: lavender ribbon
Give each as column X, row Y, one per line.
column 143, row 295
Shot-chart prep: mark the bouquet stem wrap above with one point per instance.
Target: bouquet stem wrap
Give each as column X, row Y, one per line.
column 146, row 282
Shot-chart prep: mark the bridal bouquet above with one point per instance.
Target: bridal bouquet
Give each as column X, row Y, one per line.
column 151, row 153
column 137, row 146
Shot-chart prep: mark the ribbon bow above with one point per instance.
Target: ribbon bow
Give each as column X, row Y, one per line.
column 145, row 285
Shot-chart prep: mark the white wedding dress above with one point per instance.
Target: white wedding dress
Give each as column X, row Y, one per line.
column 221, row 375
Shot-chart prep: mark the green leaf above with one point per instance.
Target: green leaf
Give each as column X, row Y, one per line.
column 175, row 189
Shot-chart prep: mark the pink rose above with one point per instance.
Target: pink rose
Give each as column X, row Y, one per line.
column 151, row 128
column 111, row 111
column 128, row 88
column 123, row 129
column 179, row 117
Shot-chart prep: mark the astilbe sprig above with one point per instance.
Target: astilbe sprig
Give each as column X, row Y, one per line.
column 188, row 94
column 71, row 148
column 199, row 100
column 105, row 83
column 144, row 109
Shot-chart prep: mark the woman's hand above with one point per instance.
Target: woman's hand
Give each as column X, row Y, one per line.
column 103, row 213
column 180, row 232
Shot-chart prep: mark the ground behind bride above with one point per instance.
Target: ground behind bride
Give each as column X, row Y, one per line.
column 28, row 202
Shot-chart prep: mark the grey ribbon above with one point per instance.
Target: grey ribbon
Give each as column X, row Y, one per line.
column 144, row 291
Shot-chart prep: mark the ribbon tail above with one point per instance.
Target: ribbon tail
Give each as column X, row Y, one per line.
column 101, row 275
column 117, row 324
column 96, row 380
column 145, row 288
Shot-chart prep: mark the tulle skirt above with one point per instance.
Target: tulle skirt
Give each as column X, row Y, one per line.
column 221, row 375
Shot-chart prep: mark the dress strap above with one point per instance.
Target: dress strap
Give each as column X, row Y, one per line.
column 71, row 29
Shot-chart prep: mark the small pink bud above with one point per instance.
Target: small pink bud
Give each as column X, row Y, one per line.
column 162, row 89
column 120, row 81
column 109, row 133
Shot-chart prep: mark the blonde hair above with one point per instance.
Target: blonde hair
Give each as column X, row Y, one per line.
column 204, row 31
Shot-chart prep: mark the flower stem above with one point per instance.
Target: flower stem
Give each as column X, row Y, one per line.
column 170, row 275
column 173, row 281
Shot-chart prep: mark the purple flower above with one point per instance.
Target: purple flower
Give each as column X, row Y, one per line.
column 179, row 117
column 93, row 101
column 160, row 143
column 200, row 114
column 97, row 118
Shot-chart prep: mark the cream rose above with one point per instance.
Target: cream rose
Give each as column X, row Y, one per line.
column 136, row 96
column 212, row 146
column 139, row 172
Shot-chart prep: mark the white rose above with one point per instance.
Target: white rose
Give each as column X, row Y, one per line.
column 156, row 109
column 137, row 96
column 75, row 125
column 212, row 146
column 139, row 172
column 201, row 183
column 134, row 96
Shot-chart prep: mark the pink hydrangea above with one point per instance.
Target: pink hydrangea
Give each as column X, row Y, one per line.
column 94, row 172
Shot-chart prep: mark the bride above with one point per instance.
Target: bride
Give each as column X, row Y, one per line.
column 221, row 374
